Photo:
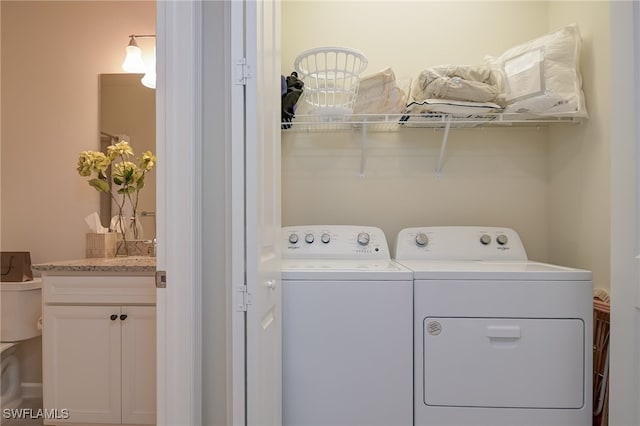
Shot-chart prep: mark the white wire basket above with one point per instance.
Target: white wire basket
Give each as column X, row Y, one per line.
column 331, row 77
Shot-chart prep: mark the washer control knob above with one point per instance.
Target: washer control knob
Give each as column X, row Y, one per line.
column 308, row 238
column 485, row 239
column 422, row 239
column 293, row 238
column 363, row 238
column 325, row 238
column 502, row 239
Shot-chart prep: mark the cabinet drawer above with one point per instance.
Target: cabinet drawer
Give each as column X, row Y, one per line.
column 121, row 290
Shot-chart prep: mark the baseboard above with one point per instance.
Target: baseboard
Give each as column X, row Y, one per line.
column 31, row 390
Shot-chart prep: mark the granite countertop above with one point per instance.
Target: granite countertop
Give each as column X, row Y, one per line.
column 113, row 264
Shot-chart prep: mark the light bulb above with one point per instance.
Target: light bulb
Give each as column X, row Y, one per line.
column 133, row 62
column 149, row 79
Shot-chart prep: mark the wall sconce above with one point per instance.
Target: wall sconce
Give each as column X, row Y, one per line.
column 133, row 62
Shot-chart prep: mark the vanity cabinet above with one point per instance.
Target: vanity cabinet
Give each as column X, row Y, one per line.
column 99, row 348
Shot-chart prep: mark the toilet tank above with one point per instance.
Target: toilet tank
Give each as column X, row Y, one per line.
column 20, row 310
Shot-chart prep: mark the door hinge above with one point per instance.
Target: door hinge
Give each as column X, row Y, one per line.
column 161, row 279
column 243, row 72
column 245, row 298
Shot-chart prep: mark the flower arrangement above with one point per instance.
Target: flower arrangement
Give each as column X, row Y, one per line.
column 128, row 176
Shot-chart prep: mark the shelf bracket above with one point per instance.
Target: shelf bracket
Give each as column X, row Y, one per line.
column 443, row 147
column 363, row 149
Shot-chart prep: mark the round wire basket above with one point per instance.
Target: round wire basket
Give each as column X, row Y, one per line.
column 331, row 77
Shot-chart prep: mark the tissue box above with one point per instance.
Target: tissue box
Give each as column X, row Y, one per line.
column 101, row 245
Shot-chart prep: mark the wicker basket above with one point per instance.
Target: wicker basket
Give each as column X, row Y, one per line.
column 331, row 76
column 601, row 325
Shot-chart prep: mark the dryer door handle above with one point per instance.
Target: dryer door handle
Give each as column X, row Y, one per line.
column 503, row 332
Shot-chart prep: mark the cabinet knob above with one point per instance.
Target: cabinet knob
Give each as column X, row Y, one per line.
column 123, row 317
column 113, row 317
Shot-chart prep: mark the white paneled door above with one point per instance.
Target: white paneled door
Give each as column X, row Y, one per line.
column 256, row 70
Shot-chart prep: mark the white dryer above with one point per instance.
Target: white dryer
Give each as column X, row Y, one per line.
column 347, row 329
column 499, row 340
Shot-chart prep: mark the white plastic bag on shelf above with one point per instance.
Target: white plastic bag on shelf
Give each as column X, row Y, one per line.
column 542, row 76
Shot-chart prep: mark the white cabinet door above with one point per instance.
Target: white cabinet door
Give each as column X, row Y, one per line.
column 81, row 353
column 262, row 213
column 138, row 364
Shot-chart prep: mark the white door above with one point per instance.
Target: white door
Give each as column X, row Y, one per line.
column 260, row 161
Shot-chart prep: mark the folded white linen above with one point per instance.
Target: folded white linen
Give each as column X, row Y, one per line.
column 380, row 93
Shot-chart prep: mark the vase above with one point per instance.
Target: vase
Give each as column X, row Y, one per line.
column 129, row 233
column 134, row 230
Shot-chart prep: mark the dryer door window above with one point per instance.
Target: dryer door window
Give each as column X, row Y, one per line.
column 503, row 362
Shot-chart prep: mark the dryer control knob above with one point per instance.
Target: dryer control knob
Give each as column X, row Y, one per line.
column 422, row 239
column 293, row 238
column 325, row 238
column 308, row 238
column 363, row 238
column 485, row 239
column 502, row 239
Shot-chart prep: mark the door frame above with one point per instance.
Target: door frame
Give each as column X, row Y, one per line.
column 624, row 379
column 179, row 221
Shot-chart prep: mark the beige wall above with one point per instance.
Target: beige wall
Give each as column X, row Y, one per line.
column 580, row 161
column 51, row 55
column 502, row 177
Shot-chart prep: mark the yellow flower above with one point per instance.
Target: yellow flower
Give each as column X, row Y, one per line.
column 126, row 173
column 91, row 161
column 122, row 148
column 148, row 161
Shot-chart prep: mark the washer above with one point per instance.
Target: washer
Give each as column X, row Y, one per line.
column 347, row 329
column 499, row 340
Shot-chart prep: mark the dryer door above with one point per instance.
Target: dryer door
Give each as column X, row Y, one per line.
column 503, row 362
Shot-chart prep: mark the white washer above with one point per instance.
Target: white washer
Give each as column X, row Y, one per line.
column 347, row 318
column 499, row 340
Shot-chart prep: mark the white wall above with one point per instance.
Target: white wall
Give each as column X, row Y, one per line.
column 51, row 55
column 501, row 177
column 215, row 211
column 625, row 319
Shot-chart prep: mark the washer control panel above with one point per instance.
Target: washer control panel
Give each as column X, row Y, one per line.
column 334, row 242
column 459, row 243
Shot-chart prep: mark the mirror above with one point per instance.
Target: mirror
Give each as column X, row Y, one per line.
column 127, row 108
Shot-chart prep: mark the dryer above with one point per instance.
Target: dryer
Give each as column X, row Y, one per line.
column 499, row 340
column 347, row 329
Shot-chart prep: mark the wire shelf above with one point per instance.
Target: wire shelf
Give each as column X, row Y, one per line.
column 395, row 122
